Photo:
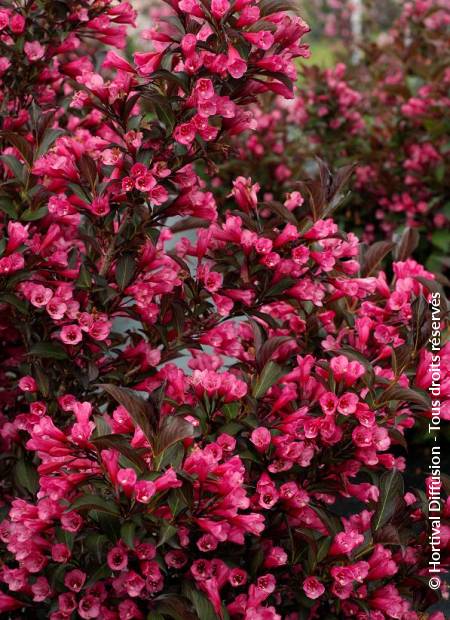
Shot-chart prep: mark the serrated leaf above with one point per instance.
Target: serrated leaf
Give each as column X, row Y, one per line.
column 280, row 209
column 434, row 287
column 330, row 520
column 21, row 144
column 175, row 607
column 392, row 490
column 7, row 206
column 267, row 7
column 280, row 287
column 84, row 280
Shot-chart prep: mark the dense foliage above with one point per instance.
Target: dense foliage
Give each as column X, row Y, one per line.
column 201, row 426
column 388, row 113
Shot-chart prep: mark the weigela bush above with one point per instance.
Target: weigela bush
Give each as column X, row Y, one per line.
column 388, row 113
column 209, row 426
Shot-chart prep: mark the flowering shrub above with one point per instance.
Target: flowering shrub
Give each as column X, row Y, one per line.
column 388, row 114
column 202, row 427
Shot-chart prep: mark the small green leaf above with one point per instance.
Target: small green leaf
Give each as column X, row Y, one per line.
column 17, row 167
column 7, row 206
column 31, row 215
column 441, row 239
column 127, row 532
column 166, row 532
column 84, row 280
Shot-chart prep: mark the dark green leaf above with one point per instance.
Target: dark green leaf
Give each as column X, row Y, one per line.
column 31, row 215
column 166, row 532
column 26, row 476
column 409, row 396
column 51, row 350
column 94, row 502
column 49, row 137
column 17, row 167
column 391, row 498
column 125, row 269
column 201, row 604
column 16, row 302
column 268, row 377
column 84, row 280
column 127, row 532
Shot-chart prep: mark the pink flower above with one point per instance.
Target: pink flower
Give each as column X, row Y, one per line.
column 261, row 438
column 99, row 206
column 17, row 23
column 74, row 580
column 41, row 590
column 144, row 490
column 219, row 8
column 71, row 334
column 4, row 19
column 185, row 133
column 5, row 63
column 236, row 66
column 28, row 384
column 89, row 607
column 60, row 553
column 127, row 479
column 34, row 50
column 313, row 588
column 117, row 559
column 147, row 62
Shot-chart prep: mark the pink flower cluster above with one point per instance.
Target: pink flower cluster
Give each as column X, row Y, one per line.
column 387, row 113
